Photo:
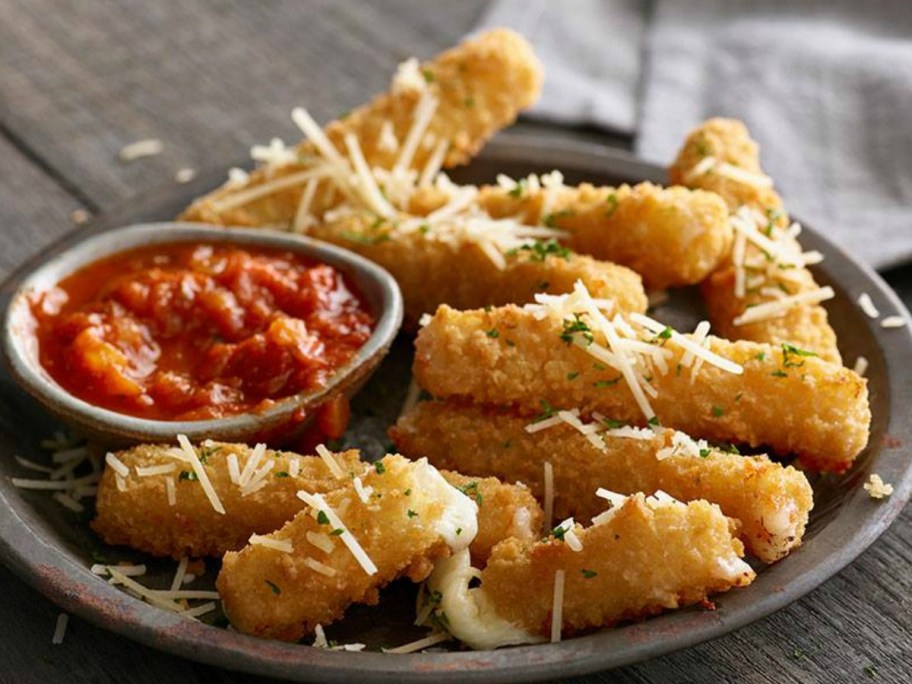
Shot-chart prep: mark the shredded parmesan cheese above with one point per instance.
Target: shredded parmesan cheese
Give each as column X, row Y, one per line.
column 780, row 307
column 877, row 488
column 420, row 644
column 330, row 462
column 178, row 580
column 171, row 491
column 864, row 301
column 60, row 629
column 283, row 545
column 141, row 148
column 117, row 465
column 557, row 607
column 321, row 540
column 861, row 365
column 549, row 494
column 162, row 469
column 316, row 502
column 362, row 491
column 201, row 474
column 893, row 322
column 319, row 567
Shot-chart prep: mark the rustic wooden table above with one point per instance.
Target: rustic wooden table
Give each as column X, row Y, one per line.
column 209, row 78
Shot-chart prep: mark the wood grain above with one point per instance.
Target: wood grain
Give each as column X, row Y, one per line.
column 209, row 79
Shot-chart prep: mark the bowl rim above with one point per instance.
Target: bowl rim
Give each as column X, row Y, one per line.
column 861, row 522
column 25, row 368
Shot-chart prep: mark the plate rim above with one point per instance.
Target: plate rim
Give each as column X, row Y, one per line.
column 69, row 585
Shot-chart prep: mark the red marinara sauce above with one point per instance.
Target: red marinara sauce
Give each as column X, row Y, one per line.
column 195, row 331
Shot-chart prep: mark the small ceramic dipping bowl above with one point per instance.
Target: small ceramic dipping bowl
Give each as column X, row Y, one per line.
column 377, row 288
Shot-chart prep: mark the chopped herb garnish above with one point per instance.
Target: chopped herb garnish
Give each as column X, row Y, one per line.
column 188, row 475
column 572, row 375
column 471, row 491
column 281, row 473
column 379, row 467
column 275, row 587
column 778, row 373
column 678, row 370
column 547, row 411
column 458, row 531
column 322, row 518
column 705, row 452
column 730, row 448
column 614, row 424
column 542, row 249
column 588, row 574
column 469, row 102
column 424, row 229
column 654, row 421
column 760, row 356
column 704, row 149
column 408, row 492
column 206, row 452
column 517, row 190
column 718, row 411
column 492, row 333
column 558, row 533
column 428, row 75
column 738, row 397
column 662, row 337
column 576, row 326
column 551, row 219
column 337, row 532
column 606, row 383
column 789, row 351
column 411, row 513
column 612, row 202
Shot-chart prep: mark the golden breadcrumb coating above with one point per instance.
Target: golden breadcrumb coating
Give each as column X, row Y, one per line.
column 806, row 325
column 432, row 271
column 481, row 86
column 770, row 501
column 648, row 556
column 789, row 402
column 411, row 519
column 670, row 236
column 504, row 510
column 140, row 516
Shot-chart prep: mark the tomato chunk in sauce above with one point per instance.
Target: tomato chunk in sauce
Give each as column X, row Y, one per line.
column 195, row 331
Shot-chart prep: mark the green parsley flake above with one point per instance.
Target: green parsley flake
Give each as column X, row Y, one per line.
column 576, row 326
column 588, row 574
column 322, row 518
column 606, row 383
column 790, row 351
column 612, row 202
column 542, row 249
column 274, row 587
column 492, row 333
column 778, row 373
column 572, row 375
column 550, row 220
column 471, row 491
column 718, row 411
column 654, row 421
column 188, row 475
column 281, row 473
column 379, row 467
column 705, row 452
column 411, row 513
column 337, row 532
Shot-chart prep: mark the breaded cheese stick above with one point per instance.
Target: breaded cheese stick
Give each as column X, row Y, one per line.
column 643, row 556
column 434, row 269
column 344, row 548
column 670, row 236
column 154, row 500
column 783, row 398
column 770, row 501
column 478, row 87
column 720, row 156
column 504, row 510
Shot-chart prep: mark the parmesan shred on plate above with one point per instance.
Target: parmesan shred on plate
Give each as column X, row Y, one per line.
column 877, row 488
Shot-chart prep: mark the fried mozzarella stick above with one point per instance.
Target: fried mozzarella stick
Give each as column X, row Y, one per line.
column 782, row 397
column 152, row 497
column 767, row 268
column 435, row 268
column 446, row 108
column 642, row 556
column 504, row 511
column 770, row 501
column 343, row 548
column 670, row 236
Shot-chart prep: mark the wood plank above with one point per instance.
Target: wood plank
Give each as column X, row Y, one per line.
column 207, row 78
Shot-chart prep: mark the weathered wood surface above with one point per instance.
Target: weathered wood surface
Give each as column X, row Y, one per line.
column 78, row 81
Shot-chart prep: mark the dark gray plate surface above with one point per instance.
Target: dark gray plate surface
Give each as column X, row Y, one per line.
column 53, row 548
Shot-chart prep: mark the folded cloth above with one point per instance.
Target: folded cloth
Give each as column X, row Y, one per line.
column 591, row 52
column 825, row 86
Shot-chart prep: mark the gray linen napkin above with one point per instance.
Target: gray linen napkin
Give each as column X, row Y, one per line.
column 591, row 53
column 824, row 85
